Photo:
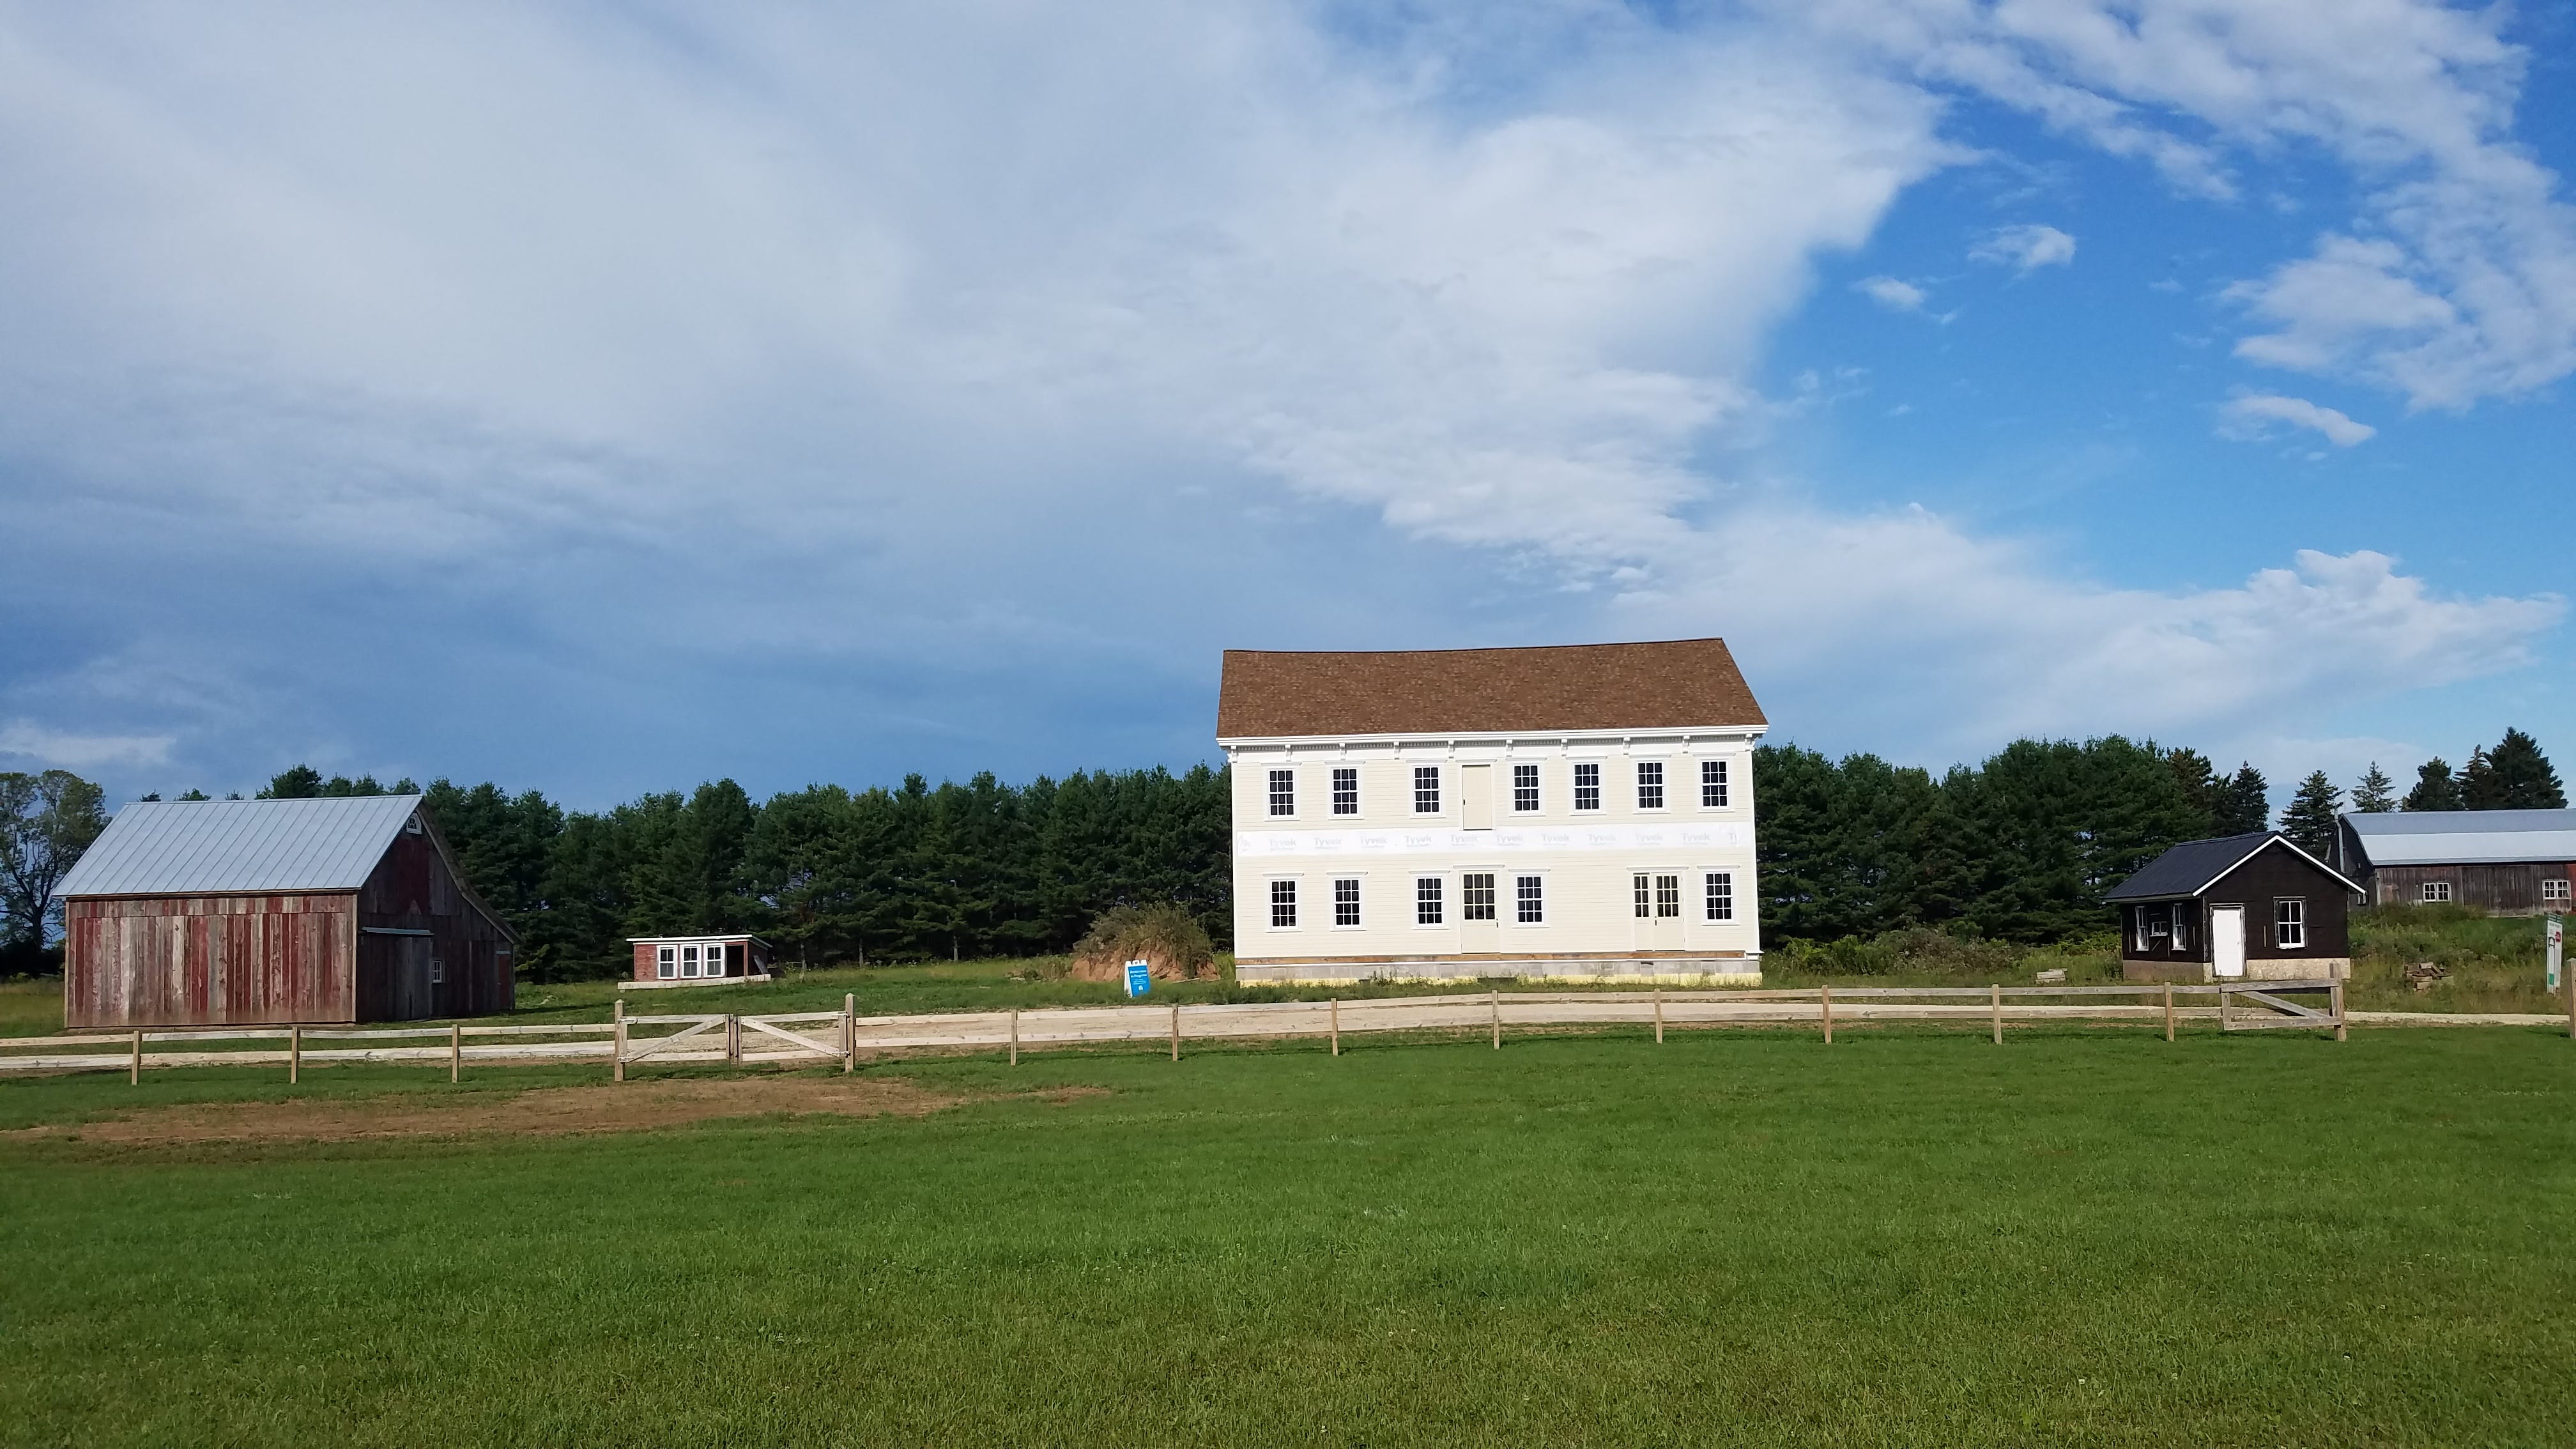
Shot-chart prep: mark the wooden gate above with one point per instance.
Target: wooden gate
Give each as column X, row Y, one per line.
column 2267, row 1007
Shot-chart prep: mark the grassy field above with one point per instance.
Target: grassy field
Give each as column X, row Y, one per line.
column 2084, row 1237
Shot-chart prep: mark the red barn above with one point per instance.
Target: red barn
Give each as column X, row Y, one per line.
column 216, row 912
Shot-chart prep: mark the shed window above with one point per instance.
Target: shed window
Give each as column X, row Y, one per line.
column 1426, row 901
column 1587, row 787
column 2183, row 913
column 1650, row 784
column 437, row 971
column 1712, row 784
column 2553, row 889
column 2436, row 891
column 1346, row 791
column 1721, row 895
column 666, row 962
column 1476, row 897
column 1426, row 789
column 1283, row 792
column 1283, row 903
column 1524, row 788
column 2290, row 924
column 1530, row 895
column 1346, row 901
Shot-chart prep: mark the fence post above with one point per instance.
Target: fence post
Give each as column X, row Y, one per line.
column 1176, row 1031
column 2222, row 1005
column 2338, row 1010
column 2567, row 983
column 294, row 1054
column 849, row 1031
column 1825, row 994
column 1015, row 1036
column 617, row 1043
column 733, row 1040
column 1495, row 999
column 1995, row 1008
column 1659, row 1016
column 456, row 1051
column 1335, row 1003
column 2169, row 1011
column 134, row 1068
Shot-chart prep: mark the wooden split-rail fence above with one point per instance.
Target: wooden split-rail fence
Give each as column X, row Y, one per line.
column 846, row 1037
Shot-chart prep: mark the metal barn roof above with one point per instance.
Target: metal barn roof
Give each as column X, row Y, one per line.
column 2465, row 837
column 225, row 847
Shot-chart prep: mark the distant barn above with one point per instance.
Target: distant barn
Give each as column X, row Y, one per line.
column 214, row 912
column 2502, row 862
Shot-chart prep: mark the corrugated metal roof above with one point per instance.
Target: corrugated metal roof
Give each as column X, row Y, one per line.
column 187, row 847
column 2465, row 837
column 2191, row 867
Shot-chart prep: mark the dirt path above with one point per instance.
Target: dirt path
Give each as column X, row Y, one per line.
column 541, row 1112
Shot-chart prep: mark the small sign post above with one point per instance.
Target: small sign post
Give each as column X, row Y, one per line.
column 2557, row 950
column 1140, row 978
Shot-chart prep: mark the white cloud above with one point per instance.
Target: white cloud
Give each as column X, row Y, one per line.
column 2025, row 248
column 1892, row 294
column 887, row 305
column 2250, row 417
column 63, row 750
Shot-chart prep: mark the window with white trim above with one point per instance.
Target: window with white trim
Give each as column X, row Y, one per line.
column 1712, row 784
column 1427, row 900
column 1529, row 895
column 2184, row 913
column 1346, row 790
column 1476, row 896
column 2290, row 923
column 2553, row 889
column 437, row 972
column 1524, row 788
column 1283, row 792
column 1721, row 895
column 1587, row 787
column 666, row 962
column 1283, row 904
column 1346, row 901
column 2436, row 891
column 1426, row 789
column 1650, row 784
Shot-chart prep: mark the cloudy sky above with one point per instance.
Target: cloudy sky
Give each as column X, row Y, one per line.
column 606, row 397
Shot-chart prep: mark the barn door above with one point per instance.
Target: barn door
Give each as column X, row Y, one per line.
column 412, row 996
column 2227, row 941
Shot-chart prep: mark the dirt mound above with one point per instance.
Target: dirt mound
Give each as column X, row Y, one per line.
column 541, row 1112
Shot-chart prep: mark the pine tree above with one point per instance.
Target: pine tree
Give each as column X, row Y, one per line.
column 2436, row 788
column 2376, row 794
column 2310, row 820
column 2245, row 805
column 2199, row 781
column 2514, row 775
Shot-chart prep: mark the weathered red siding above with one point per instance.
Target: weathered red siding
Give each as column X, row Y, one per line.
column 412, row 890
column 209, row 960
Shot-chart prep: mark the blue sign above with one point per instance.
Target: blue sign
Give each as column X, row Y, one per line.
column 1140, row 978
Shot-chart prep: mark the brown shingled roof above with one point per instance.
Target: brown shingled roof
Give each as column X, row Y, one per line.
column 1678, row 684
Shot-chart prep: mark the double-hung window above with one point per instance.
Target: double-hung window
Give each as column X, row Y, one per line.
column 1587, row 787
column 1721, row 895
column 1650, row 784
column 1426, row 789
column 1426, row 901
column 1712, row 784
column 1530, row 896
column 1346, row 901
column 1346, row 791
column 1476, row 896
column 1283, row 792
column 2290, row 923
column 1524, row 788
column 1283, row 903
column 666, row 962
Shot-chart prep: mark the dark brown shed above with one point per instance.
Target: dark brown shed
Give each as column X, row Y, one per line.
column 217, row 912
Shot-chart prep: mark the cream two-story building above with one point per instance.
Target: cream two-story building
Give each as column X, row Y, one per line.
column 1584, row 811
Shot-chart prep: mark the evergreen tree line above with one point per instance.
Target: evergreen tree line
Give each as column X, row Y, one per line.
column 829, row 875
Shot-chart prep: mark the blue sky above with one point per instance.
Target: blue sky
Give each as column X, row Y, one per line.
column 609, row 397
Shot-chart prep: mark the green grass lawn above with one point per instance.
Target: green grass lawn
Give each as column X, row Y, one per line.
column 1908, row 1238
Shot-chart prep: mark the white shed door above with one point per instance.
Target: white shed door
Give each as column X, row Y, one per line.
column 2227, row 941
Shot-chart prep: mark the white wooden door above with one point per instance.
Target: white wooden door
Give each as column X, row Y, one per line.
column 2227, row 941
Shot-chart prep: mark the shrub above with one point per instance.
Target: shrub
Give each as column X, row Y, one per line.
column 1166, row 937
